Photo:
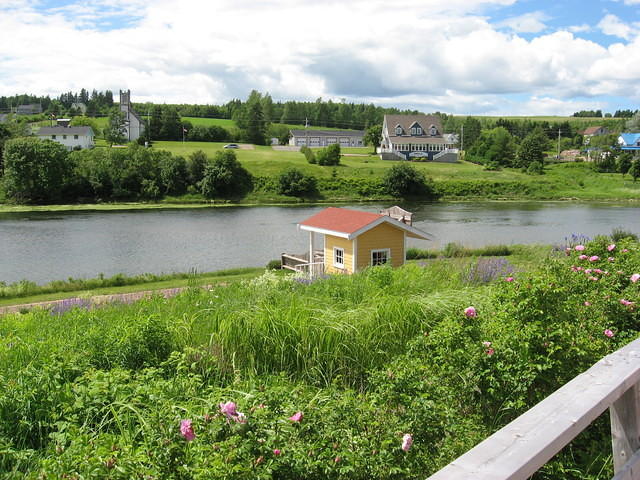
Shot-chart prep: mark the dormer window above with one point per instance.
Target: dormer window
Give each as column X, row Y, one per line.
column 399, row 130
column 433, row 130
column 416, row 129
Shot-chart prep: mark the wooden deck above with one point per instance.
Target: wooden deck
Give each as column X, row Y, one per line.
column 299, row 262
column 518, row 450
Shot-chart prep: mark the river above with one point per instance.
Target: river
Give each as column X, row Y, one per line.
column 49, row 246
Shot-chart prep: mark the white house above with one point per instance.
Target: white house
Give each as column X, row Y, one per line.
column 134, row 126
column 70, row 137
column 322, row 138
column 416, row 137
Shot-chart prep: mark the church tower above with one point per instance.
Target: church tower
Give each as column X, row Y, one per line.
column 133, row 123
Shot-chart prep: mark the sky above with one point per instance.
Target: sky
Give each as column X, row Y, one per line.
column 482, row 57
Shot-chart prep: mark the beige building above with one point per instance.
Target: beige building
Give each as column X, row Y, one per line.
column 416, row 137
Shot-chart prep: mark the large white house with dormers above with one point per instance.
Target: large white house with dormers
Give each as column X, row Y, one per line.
column 416, row 137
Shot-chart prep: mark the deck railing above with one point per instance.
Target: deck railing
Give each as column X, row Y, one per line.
column 313, row 270
column 526, row 444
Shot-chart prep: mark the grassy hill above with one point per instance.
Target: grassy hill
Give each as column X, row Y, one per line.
column 465, row 179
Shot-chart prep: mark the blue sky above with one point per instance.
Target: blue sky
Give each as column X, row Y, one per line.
column 494, row 57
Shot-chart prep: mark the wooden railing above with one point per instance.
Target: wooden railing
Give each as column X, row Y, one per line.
column 526, row 444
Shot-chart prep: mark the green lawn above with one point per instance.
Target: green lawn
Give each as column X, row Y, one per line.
column 265, row 161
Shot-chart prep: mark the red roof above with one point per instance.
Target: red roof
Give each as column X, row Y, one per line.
column 341, row 220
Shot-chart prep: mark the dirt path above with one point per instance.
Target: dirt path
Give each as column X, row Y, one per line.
column 67, row 303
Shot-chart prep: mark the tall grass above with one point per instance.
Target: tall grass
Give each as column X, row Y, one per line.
column 339, row 327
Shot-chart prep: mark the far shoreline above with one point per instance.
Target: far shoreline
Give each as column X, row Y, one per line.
column 136, row 206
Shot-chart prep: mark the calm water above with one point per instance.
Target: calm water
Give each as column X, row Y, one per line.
column 49, row 246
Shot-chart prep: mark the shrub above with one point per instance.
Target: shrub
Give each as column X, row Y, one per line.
column 619, row 233
column 308, row 153
column 403, row 180
column 274, row 265
column 225, row 177
column 535, row 168
column 329, row 155
column 295, row 183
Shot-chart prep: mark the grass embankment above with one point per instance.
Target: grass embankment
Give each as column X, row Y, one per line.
column 364, row 359
column 28, row 292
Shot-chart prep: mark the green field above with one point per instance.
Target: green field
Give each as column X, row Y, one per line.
column 560, row 181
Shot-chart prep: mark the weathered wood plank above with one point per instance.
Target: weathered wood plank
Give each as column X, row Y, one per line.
column 630, row 471
column 522, row 447
column 625, row 427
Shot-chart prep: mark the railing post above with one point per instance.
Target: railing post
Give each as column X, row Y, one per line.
column 625, row 427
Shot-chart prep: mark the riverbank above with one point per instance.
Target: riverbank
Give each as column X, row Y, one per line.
column 359, row 182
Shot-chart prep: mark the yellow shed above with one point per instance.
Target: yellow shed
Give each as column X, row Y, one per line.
column 354, row 240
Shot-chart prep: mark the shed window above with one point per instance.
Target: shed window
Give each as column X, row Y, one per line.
column 380, row 257
column 338, row 257
column 53, row 137
column 75, row 137
column 64, row 137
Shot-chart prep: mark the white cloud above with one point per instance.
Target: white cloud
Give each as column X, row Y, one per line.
column 612, row 25
column 532, row 22
column 580, row 28
column 448, row 57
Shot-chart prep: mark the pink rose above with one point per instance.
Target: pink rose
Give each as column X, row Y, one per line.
column 186, row 430
column 635, row 277
column 407, row 441
column 608, row 333
column 486, row 344
column 579, row 248
column 587, row 304
column 611, row 247
column 296, row 417
column 509, row 279
column 611, row 259
column 594, row 258
column 276, row 452
column 490, row 351
column 583, row 257
column 470, row 312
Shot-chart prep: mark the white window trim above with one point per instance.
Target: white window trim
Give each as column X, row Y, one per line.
column 335, row 263
column 378, row 250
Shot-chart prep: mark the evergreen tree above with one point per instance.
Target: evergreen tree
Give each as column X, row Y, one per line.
column 155, row 124
column 472, row 131
column 171, row 128
column 532, row 149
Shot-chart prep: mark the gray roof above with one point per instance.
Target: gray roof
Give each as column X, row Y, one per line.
column 327, row 133
column 406, row 121
column 86, row 131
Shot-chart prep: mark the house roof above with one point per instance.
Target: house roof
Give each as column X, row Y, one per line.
column 591, row 130
column 86, row 131
column 405, row 121
column 327, row 133
column 346, row 223
column 629, row 138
